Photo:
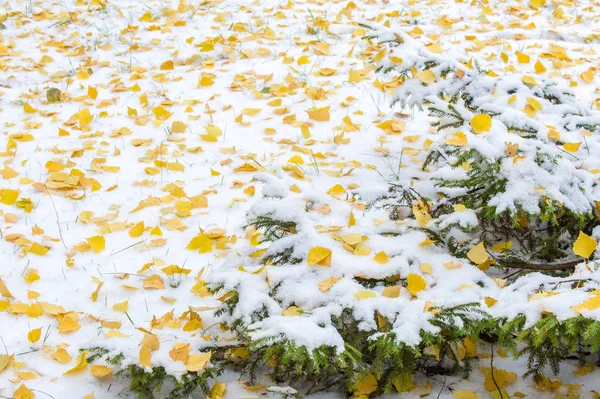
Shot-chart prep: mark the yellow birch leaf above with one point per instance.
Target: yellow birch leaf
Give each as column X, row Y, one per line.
column 94, row 296
column 572, row 147
column 366, row 386
column 29, row 109
column 154, row 282
column 23, row 393
column 62, row 356
column 458, row 139
column 481, row 123
column 218, row 390
column 478, row 254
column 415, row 284
column 421, row 215
column 166, row 66
column 529, row 81
column 201, row 242
column 9, row 197
column 195, row 363
column 303, row 60
column 352, row 238
column 365, row 294
column 325, row 285
column 145, row 356
column 587, row 76
column 100, row 371
column 426, row 268
column 465, row 395
column 501, row 246
column 180, row 352
column 391, row 292
column 80, row 364
column 6, row 361
column 381, row 258
column 151, row 341
column 427, row 241
column 319, row 256
column 4, row 290
column 351, row 220
column 583, row 370
column 137, row 230
column 499, row 379
column 522, row 58
column 205, row 81
column 121, row 307
column 319, row 115
column 97, row 243
column 292, row 311
column 178, row 127
column 590, row 304
column 38, row 249
column 489, row 301
column 336, row 190
column 92, row 92
column 84, row 117
column 584, row 246
column 34, row 335
column 539, row 67
column 35, row 310
column 404, row 383
column 426, row 76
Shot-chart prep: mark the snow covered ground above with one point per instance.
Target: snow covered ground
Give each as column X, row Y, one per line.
column 124, row 192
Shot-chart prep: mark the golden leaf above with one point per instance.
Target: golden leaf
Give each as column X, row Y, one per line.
column 391, row 292
column 197, row 362
column 4, row 290
column 137, row 230
column 366, row 386
column 319, row 256
column 201, row 242
column 478, row 254
column 121, row 307
column 426, row 268
column 100, row 371
column 34, row 335
column 325, row 285
column 572, row 147
column 80, row 364
column 166, row 66
column 381, row 258
column 180, row 352
column 62, row 356
column 590, row 304
column 465, row 395
column 154, row 282
column 23, row 393
column 218, row 390
column 365, row 294
column 457, row 139
column 320, row 115
column 145, row 356
column 97, row 243
column 426, row 76
column 584, row 246
column 292, row 311
column 415, row 284
column 481, row 123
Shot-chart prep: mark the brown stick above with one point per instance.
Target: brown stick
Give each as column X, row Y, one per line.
column 540, row 266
